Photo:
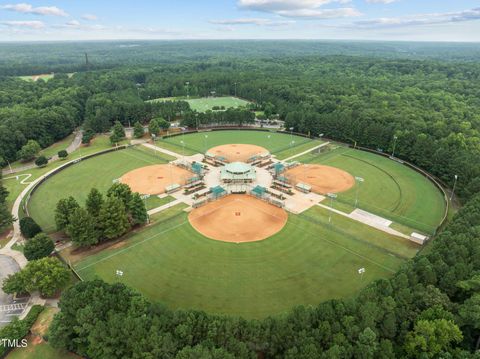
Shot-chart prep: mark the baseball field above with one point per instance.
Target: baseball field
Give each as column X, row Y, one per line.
column 203, row 258
column 208, row 103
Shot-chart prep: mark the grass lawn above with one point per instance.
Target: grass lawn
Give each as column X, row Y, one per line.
column 309, row 261
column 277, row 143
column 207, row 103
column 390, row 190
column 78, row 179
column 58, row 146
column 155, row 201
column 37, row 348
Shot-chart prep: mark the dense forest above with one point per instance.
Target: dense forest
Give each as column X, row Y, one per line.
column 424, row 100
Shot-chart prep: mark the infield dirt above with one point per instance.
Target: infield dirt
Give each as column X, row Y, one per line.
column 237, row 152
column 154, row 179
column 238, row 218
column 322, row 179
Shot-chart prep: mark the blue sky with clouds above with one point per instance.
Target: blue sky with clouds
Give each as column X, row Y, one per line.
column 410, row 20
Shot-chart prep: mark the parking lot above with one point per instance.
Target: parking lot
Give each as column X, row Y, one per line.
column 9, row 308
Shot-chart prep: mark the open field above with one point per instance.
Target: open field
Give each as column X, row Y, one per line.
column 77, row 180
column 273, row 141
column 207, row 103
column 305, row 263
column 390, row 189
column 44, row 77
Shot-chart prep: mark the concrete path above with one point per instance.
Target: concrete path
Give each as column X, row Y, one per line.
column 163, row 150
column 305, row 152
column 165, row 206
column 74, row 145
column 368, row 220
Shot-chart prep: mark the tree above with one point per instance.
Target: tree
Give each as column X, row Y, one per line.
column 113, row 218
column 432, row 337
column 138, row 212
column 6, row 218
column 163, row 124
column 29, row 227
column 29, row 150
column 153, row 127
column 138, row 131
column 47, row 275
column 41, row 161
column 82, row 228
column 94, row 202
column 118, row 133
column 63, row 212
column 62, row 154
column 87, row 136
column 38, row 247
column 121, row 191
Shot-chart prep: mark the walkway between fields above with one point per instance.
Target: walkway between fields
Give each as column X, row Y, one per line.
column 163, row 150
column 305, row 152
column 368, row 219
column 164, row 207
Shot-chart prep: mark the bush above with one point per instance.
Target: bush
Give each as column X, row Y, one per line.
column 62, row 154
column 41, row 161
column 29, row 227
column 38, row 247
column 19, row 329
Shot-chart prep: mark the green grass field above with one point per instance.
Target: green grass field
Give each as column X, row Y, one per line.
column 390, row 190
column 77, row 180
column 282, row 144
column 307, row 262
column 207, row 103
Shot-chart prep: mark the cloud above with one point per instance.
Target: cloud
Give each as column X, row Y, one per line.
column 89, row 17
column 308, row 9
column 381, row 1
column 421, row 19
column 29, row 9
column 24, row 24
column 251, row 21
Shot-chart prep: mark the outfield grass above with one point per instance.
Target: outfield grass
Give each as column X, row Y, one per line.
column 78, row 179
column 57, row 146
column 155, row 201
column 306, row 263
column 390, row 190
column 207, row 103
column 280, row 143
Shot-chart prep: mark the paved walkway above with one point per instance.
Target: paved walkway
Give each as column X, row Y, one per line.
column 164, row 207
column 77, row 141
column 368, row 220
column 305, row 152
column 163, row 150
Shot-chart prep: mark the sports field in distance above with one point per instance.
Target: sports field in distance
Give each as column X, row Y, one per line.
column 204, row 104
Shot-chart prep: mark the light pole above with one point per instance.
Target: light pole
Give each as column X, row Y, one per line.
column 235, row 89
column 154, row 146
column 361, row 271
column 206, row 136
column 359, row 181
column 183, row 149
column 187, row 84
column 394, row 144
column 119, row 273
column 291, row 136
column 9, row 166
column 453, row 189
column 332, row 196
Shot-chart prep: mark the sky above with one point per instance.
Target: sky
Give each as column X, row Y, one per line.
column 396, row 20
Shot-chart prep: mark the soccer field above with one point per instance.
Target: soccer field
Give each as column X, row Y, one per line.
column 205, row 104
column 307, row 262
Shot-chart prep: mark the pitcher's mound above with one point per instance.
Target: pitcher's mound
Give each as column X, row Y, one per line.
column 154, row 179
column 238, row 218
column 237, row 152
column 323, row 179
